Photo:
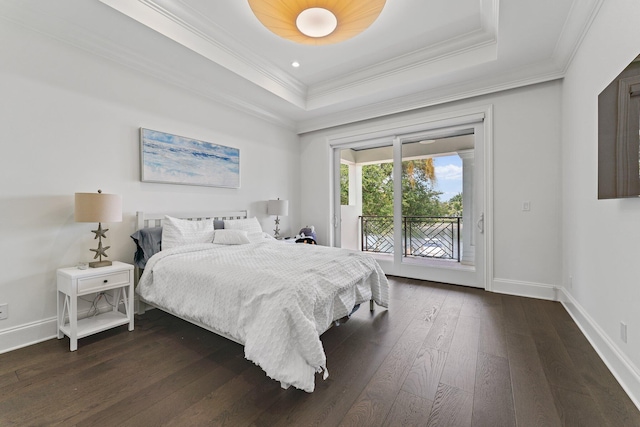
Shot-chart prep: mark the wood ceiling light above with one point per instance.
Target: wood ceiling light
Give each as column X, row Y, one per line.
column 352, row 16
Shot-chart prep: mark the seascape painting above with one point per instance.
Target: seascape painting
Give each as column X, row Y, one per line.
column 173, row 159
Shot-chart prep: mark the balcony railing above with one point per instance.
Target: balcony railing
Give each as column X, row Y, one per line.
column 423, row 236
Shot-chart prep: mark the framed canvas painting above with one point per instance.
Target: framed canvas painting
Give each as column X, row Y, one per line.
column 173, row 159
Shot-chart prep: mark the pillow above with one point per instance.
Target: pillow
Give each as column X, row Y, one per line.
column 250, row 225
column 179, row 232
column 148, row 243
column 259, row 237
column 218, row 224
column 230, row 237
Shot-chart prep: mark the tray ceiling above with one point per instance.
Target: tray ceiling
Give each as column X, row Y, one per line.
column 417, row 53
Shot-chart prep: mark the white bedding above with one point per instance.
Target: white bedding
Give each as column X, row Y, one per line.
column 273, row 297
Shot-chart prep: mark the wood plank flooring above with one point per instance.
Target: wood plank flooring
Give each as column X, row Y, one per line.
column 440, row 356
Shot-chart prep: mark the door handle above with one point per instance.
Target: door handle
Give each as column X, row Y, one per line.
column 480, row 223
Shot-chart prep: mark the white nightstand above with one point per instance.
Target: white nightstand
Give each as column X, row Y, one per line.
column 73, row 282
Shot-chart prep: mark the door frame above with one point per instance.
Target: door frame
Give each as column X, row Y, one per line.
column 392, row 133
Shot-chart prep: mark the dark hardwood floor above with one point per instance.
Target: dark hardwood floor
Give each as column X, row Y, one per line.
column 442, row 355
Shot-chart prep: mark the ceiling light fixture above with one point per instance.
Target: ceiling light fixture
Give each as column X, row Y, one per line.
column 317, row 22
column 295, row 64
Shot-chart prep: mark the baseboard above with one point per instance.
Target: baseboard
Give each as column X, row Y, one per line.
column 27, row 334
column 525, row 289
column 35, row 332
column 627, row 374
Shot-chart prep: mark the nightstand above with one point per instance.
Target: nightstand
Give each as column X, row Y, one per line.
column 73, row 283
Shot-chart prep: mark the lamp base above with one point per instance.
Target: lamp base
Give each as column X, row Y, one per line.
column 276, row 231
column 98, row 264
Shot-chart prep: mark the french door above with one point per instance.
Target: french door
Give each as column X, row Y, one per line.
column 403, row 243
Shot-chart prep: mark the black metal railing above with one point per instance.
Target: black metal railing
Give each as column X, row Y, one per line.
column 423, row 236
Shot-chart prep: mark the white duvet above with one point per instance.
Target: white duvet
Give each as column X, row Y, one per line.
column 275, row 298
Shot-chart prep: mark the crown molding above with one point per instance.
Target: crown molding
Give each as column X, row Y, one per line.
column 425, row 99
column 471, row 49
column 575, row 28
column 478, row 46
column 187, row 27
column 466, row 50
column 86, row 40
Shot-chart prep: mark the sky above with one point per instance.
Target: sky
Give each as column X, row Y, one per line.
column 448, row 175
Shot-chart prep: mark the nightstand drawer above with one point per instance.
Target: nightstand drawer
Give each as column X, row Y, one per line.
column 114, row 279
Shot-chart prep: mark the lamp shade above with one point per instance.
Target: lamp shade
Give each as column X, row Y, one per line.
column 98, row 207
column 278, row 207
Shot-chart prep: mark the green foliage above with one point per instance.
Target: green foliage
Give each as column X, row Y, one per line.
column 419, row 198
column 344, row 184
column 419, row 195
column 377, row 189
column 454, row 205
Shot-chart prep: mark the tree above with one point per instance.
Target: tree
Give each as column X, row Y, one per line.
column 377, row 189
column 344, row 184
column 419, row 198
column 454, row 205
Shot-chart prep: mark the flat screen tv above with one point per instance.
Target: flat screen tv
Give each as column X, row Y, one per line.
column 619, row 135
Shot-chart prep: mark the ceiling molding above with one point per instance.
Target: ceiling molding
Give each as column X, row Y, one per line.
column 575, row 28
column 463, row 52
column 237, row 58
column 186, row 26
column 449, row 71
column 421, row 100
column 85, row 40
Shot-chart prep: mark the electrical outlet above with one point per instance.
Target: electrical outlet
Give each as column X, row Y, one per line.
column 4, row 311
column 623, row 332
column 526, row 206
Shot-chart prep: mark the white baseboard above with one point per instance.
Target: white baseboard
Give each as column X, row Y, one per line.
column 35, row 332
column 525, row 289
column 27, row 334
column 627, row 374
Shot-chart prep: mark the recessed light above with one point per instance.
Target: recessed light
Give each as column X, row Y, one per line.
column 295, row 64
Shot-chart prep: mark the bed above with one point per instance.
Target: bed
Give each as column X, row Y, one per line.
column 274, row 298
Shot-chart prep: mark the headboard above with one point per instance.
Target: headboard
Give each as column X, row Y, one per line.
column 146, row 220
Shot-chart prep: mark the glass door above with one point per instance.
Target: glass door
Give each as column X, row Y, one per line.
column 415, row 202
column 364, row 220
column 437, row 206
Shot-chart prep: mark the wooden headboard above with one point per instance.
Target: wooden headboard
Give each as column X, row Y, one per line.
column 146, row 220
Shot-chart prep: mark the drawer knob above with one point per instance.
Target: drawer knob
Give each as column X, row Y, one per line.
column 106, row 281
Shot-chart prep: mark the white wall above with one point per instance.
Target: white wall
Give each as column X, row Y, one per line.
column 70, row 123
column 526, row 160
column 601, row 238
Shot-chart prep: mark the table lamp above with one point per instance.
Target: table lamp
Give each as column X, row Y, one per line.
column 98, row 207
column 278, row 208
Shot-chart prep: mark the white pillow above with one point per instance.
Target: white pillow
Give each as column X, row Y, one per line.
column 230, row 237
column 179, row 232
column 259, row 237
column 250, row 225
